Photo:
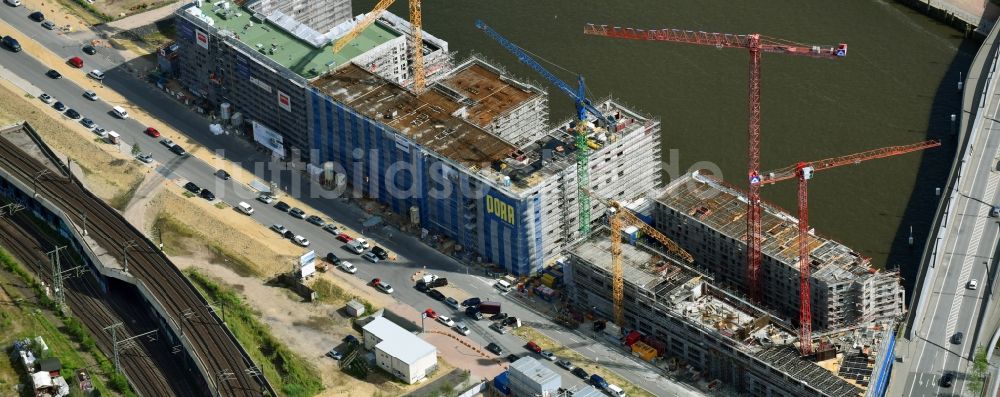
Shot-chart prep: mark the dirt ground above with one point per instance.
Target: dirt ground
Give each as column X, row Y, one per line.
column 238, row 235
column 109, row 172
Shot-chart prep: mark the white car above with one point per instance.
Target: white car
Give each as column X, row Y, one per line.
column 96, row 74
column 46, row 98
column 144, row 157
column 973, row 284
column 363, row 242
column 462, row 329
column 301, row 240
column 548, row 355
column 91, row 95
column 14, row 3
column 348, row 267
column 446, row 321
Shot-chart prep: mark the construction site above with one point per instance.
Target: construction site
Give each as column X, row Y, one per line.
column 712, row 278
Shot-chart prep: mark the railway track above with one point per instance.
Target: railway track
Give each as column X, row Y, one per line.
column 229, row 371
column 160, row 371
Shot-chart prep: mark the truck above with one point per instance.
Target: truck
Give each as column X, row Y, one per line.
column 489, row 307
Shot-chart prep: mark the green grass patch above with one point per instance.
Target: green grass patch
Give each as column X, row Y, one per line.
column 188, row 194
column 222, row 205
column 292, row 375
column 121, row 200
column 330, row 293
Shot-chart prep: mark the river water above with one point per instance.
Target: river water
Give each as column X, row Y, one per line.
column 897, row 85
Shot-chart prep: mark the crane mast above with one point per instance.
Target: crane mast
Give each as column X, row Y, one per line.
column 757, row 45
column 803, row 172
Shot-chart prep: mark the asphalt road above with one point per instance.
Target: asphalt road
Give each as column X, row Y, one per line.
column 412, row 253
column 968, row 252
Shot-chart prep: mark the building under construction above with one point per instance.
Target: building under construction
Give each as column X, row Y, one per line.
column 717, row 338
column 708, row 218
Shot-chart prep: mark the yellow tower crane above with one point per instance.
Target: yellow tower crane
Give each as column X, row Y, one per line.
column 417, row 43
column 620, row 219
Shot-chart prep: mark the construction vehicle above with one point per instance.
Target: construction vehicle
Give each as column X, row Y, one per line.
column 757, row 45
column 416, row 33
column 583, row 126
column 803, row 171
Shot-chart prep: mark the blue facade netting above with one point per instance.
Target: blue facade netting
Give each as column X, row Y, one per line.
column 389, row 167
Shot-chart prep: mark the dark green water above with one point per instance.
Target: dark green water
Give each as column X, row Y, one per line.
column 897, row 86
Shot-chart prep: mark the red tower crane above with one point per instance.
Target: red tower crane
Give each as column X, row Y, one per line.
column 757, row 45
column 803, row 172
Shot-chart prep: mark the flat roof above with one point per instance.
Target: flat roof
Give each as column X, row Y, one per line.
column 491, row 93
column 398, row 342
column 290, row 51
column 426, row 119
column 723, row 208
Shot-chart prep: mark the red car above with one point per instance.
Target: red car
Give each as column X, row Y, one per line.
column 533, row 347
column 76, row 62
column 430, row 313
column 152, row 132
column 344, row 237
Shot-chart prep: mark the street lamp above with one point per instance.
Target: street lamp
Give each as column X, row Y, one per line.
column 125, row 247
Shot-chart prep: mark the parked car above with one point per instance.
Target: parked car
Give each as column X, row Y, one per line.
column 192, row 187
column 436, row 295
column 223, row 174
column 53, row 74
column 46, row 98
column 334, row 354
column 430, row 313
column 91, row 95
column 512, row 357
column 168, row 143
column 510, row 321
column 565, row 364
column 36, row 16
column 244, row 207
column 59, row 106
column 548, row 355
column 153, row 132
column 598, row 382
column 178, row 150
column 494, row 348
column 474, row 313
column 207, row 194
column 144, row 157
column 384, row 287
column 279, row 228
column 301, row 240
column 333, row 258
column 288, row 234
column 351, row 339
column 421, row 286
column 13, row 3
column 498, row 328
column 347, row 267
column 370, row 257
column 531, row 345
column 471, row 302
column 96, row 75
column 265, row 198
column 73, row 114
column 331, row 228
column 498, row 316
column 89, row 49
column 76, row 62
column 11, row 44
column 580, row 373
column 447, row 321
column 344, row 237
column 452, row 302
column 316, row 220
column 462, row 328
column 297, row 212
column 282, row 206
column 48, row 25
column 380, row 252
column 363, row 242
column 353, row 248
column 88, row 122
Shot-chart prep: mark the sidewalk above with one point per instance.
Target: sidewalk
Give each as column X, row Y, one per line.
column 146, row 18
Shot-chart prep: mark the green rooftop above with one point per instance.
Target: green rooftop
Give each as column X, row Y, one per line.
column 290, row 51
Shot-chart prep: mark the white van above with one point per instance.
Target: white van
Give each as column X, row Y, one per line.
column 14, row 3
column 502, row 285
column 615, row 391
column 245, row 208
column 120, row 112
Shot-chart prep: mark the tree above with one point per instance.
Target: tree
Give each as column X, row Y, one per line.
column 136, row 150
column 978, row 372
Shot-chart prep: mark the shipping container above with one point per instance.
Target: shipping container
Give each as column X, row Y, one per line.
column 643, row 351
column 489, row 307
column 632, row 337
column 655, row 343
